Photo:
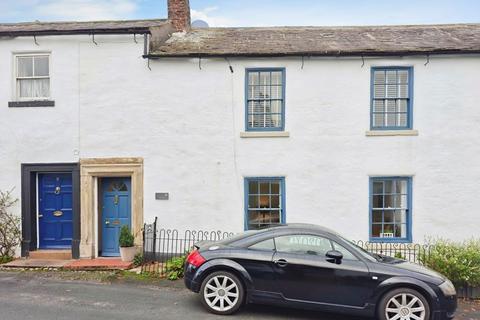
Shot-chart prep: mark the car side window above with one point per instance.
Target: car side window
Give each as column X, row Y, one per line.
column 303, row 244
column 265, row 245
column 347, row 255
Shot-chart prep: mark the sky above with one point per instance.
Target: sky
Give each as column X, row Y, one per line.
column 244, row 13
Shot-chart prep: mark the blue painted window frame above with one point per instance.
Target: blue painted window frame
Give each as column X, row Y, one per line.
column 408, row 238
column 409, row 125
column 247, row 72
column 246, row 197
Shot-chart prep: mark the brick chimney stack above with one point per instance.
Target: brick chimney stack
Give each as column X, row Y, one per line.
column 179, row 14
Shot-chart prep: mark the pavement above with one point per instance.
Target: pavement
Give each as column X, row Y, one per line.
column 32, row 295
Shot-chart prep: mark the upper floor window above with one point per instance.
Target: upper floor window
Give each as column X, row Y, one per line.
column 390, row 209
column 32, row 76
column 391, row 98
column 264, row 202
column 265, row 99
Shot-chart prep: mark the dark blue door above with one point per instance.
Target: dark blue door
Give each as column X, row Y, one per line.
column 116, row 212
column 55, row 210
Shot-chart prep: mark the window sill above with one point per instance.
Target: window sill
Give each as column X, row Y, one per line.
column 33, row 103
column 389, row 240
column 387, row 133
column 265, row 134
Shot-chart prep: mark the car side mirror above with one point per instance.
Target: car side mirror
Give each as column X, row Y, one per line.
column 334, row 256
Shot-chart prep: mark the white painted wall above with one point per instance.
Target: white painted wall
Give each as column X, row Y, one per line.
column 186, row 124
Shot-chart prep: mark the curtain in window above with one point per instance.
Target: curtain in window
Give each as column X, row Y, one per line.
column 34, row 88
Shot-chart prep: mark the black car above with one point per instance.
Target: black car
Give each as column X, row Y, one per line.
column 311, row 267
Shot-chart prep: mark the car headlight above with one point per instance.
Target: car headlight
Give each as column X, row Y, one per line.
column 448, row 288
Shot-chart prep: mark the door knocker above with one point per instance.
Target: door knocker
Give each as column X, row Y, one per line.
column 57, row 190
column 115, row 199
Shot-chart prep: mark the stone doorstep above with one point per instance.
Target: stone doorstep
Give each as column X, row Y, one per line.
column 36, row 263
column 50, row 255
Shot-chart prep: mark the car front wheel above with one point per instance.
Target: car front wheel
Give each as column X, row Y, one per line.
column 222, row 293
column 404, row 304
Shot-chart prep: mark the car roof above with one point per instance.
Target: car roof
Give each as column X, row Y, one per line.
column 284, row 229
column 304, row 227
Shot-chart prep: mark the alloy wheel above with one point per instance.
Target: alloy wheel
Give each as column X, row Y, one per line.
column 405, row 306
column 221, row 293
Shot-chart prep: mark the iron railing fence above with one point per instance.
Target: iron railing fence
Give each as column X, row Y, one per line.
column 412, row 252
column 161, row 245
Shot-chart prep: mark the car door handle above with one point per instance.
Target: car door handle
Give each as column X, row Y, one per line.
column 281, row 262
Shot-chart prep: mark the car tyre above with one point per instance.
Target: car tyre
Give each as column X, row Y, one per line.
column 403, row 302
column 222, row 293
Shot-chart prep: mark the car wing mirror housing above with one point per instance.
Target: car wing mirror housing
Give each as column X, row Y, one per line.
column 334, row 256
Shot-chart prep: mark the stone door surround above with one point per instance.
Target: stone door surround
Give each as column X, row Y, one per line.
column 93, row 168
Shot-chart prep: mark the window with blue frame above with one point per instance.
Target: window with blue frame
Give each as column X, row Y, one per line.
column 265, row 99
column 264, row 202
column 391, row 105
column 390, row 209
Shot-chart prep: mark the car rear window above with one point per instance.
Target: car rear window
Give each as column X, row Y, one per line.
column 265, row 245
column 241, row 236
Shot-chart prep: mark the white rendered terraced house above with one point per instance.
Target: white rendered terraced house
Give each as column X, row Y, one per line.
column 372, row 131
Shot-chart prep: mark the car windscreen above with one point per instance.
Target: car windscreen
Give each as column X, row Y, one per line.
column 364, row 253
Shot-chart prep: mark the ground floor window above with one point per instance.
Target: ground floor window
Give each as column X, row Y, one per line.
column 264, row 202
column 390, row 208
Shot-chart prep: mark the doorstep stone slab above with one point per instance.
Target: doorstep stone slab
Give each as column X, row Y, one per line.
column 36, row 263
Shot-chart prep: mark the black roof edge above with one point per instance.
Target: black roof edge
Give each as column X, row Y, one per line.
column 315, row 54
column 142, row 30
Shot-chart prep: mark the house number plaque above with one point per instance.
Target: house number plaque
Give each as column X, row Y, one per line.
column 161, row 196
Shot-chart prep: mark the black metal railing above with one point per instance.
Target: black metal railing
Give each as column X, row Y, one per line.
column 162, row 245
column 412, row 252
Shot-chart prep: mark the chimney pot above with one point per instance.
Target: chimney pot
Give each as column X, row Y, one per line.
column 179, row 14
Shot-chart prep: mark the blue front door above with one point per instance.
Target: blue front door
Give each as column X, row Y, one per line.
column 116, row 212
column 54, row 210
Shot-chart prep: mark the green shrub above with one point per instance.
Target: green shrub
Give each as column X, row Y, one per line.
column 399, row 255
column 10, row 233
column 126, row 237
column 138, row 259
column 174, row 267
column 5, row 259
column 460, row 262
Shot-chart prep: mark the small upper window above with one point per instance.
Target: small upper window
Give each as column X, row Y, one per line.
column 117, row 186
column 303, row 244
column 265, row 245
column 265, row 99
column 391, row 98
column 32, row 77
